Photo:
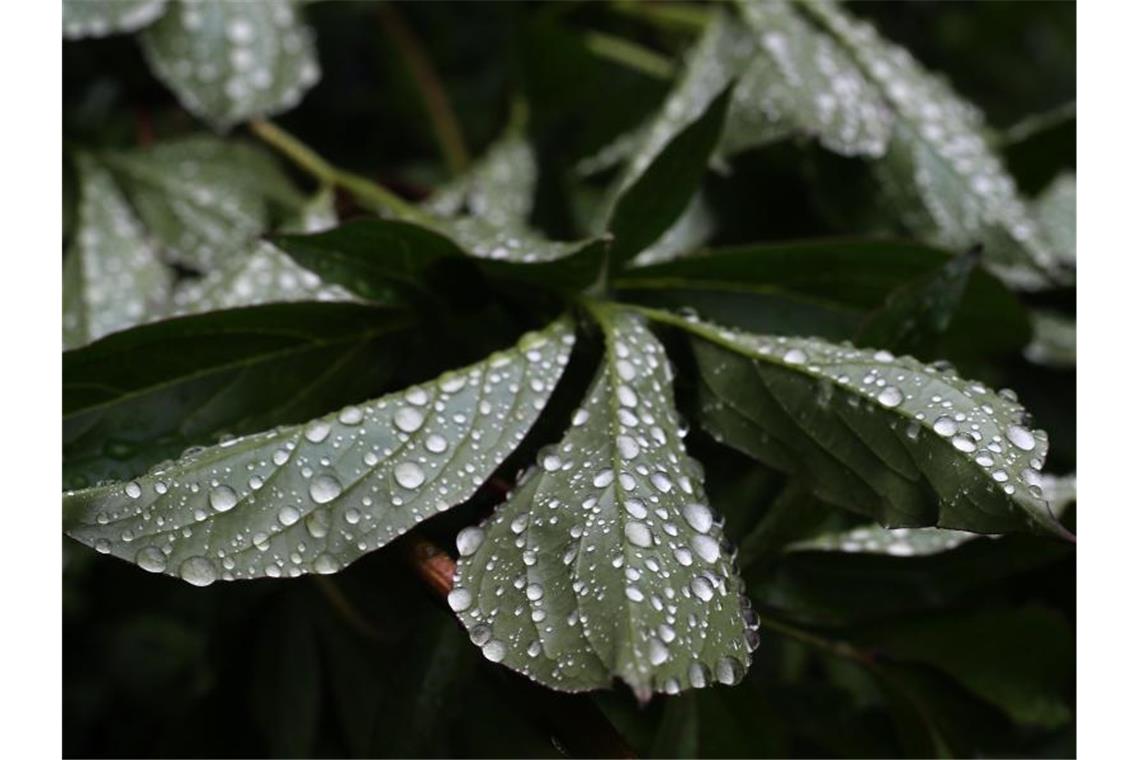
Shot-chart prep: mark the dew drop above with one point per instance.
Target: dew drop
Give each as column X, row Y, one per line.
column 495, row 650
column 468, row 541
column 459, row 599
column 151, row 559
column 288, row 515
column 351, row 415
column 1020, row 437
column 317, row 430
column 963, row 443
column 408, row 420
column 627, row 447
column 638, row 534
column 223, row 498
column 436, row 443
column 729, row 670
column 133, row 490
column 324, row 488
column 603, row 478
column 326, row 564
column 795, row 356
column 658, row 652
column 945, row 427
column 699, row 517
column 409, row 475
column 706, row 547
column 890, row 397
column 198, row 571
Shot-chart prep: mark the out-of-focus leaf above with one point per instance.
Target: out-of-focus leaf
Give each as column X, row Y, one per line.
column 1008, row 657
column 792, row 515
column 141, row 396
column 691, row 230
column 917, row 312
column 315, row 497
column 98, row 18
column 885, row 436
column 499, row 188
column 939, row 168
column 607, row 562
column 285, row 685
column 678, row 733
column 228, row 62
column 1054, row 341
column 1056, row 212
column 112, row 276
column 653, row 197
column 203, row 199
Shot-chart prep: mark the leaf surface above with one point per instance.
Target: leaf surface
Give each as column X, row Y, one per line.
column 112, row 276
column 902, row 442
column 99, row 18
column 315, row 497
column 607, row 562
column 228, row 62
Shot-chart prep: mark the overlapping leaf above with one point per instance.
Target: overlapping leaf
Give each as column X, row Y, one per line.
column 98, row 18
column 607, row 561
column 230, row 61
column 315, row 497
column 905, row 443
column 113, row 277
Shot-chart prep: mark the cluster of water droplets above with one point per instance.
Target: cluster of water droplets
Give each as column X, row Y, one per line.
column 312, row 498
column 119, row 278
column 229, row 61
column 607, row 561
column 800, row 80
column 83, row 18
column 989, row 431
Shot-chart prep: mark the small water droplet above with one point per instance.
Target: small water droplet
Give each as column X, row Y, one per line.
column 795, row 356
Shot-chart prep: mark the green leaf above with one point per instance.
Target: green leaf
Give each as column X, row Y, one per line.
column 691, row 230
column 1054, row 341
column 799, row 81
column 204, row 199
column 228, row 62
column 499, row 188
column 1056, row 212
column 917, row 312
column 99, row 18
column 387, row 261
column 315, row 497
column 1007, row 657
column 939, row 169
column 144, row 395
column 652, row 199
column 112, row 276
column 606, row 562
column 829, row 288
column 885, row 436
column 287, row 671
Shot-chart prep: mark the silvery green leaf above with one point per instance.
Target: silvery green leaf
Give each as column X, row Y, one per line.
column 499, row 188
column 1060, row 492
column 607, row 562
column 905, row 443
column 691, row 230
column 1054, row 341
column 800, row 81
column 99, row 18
column 202, row 198
column 1056, row 212
column 231, row 61
column 315, row 497
column 112, row 275
column 939, row 168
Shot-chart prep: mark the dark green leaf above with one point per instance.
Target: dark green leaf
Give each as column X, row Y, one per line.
column 138, row 397
column 608, row 547
column 315, row 497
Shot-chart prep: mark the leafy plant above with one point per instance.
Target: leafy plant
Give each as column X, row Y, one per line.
column 260, row 383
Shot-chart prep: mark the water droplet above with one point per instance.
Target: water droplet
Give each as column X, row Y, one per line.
column 633, row 594
column 495, row 650
column 701, row 588
column 627, row 447
column 351, row 415
column 580, row 417
column 317, row 430
column 318, row 522
column 198, row 571
column 324, row 488
column 698, row 675
column 223, row 498
column 729, row 670
column 1020, row 437
column 626, row 396
column 795, row 356
column 352, row 515
column 103, row 546
column 534, row 592
column 706, row 547
column 699, row 517
column 288, row 515
column 326, row 564
column 636, row 508
column 945, row 427
column 638, row 534
column 436, row 443
column 890, row 397
column 658, row 652
column 551, row 462
column 151, row 559
column 963, row 443
column 468, row 541
column 603, row 478
column 661, row 482
column 409, row 475
column 408, row 420
column 133, row 490
column 459, row 599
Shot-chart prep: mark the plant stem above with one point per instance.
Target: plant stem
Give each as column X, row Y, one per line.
column 835, row 647
column 689, row 17
column 443, row 121
column 1037, row 123
column 339, row 602
column 630, row 54
column 367, row 192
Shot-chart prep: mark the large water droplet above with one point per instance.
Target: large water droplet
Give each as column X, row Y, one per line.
column 658, row 652
column 223, row 498
column 324, row 488
column 459, row 599
column 706, row 547
column 326, row 564
column 729, row 670
column 890, row 397
column 627, row 447
column 317, row 430
column 198, row 571
column 408, row 419
column 288, row 515
column 945, row 427
column 133, row 490
column 151, row 559
column 436, row 443
column 795, row 356
column 698, row 516
column 468, row 541
column 638, row 534
column 963, row 443
column 409, row 475
column 1020, row 437
column 495, row 650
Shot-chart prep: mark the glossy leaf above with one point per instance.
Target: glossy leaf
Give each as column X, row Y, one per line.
column 99, row 18
column 691, row 231
column 606, row 562
column 112, row 276
column 205, row 200
column 939, row 169
column 653, row 199
column 228, row 62
column 903, row 442
column 144, row 395
column 315, row 497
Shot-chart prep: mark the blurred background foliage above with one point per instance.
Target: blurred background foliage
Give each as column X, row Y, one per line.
column 969, row 652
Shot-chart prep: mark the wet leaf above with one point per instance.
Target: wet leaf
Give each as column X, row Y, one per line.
column 905, row 443
column 1056, row 212
column 203, row 199
column 112, row 275
column 99, row 18
column 315, row 497
column 144, row 395
column 939, row 169
column 228, row 62
column 607, row 561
